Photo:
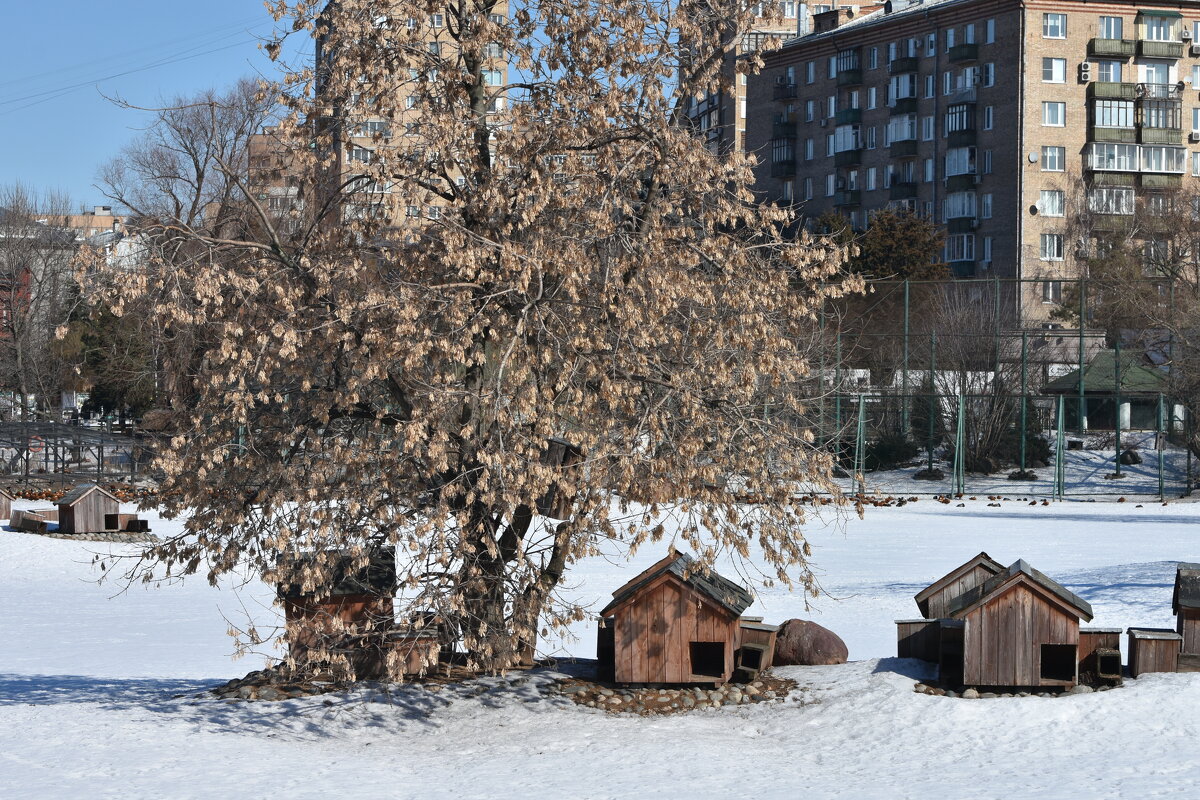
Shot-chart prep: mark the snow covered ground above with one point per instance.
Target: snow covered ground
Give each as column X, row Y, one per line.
column 98, row 688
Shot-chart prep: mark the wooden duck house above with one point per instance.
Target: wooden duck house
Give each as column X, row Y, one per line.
column 675, row 623
column 84, row 508
column 1185, row 603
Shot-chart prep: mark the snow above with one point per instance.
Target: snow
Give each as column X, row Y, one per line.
column 100, row 688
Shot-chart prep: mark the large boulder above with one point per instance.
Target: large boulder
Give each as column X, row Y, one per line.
column 804, row 643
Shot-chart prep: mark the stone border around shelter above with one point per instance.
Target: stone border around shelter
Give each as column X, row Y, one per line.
column 114, row 537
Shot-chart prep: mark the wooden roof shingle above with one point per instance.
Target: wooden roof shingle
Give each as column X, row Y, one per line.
column 724, row 592
column 81, row 491
column 1187, row 587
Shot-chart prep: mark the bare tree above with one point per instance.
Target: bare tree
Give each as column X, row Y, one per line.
column 501, row 271
column 37, row 294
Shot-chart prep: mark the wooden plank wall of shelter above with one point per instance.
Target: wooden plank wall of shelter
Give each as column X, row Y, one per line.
column 753, row 633
column 918, row 638
column 1153, row 650
column 1092, row 640
column 6, row 501
column 1004, row 637
column 938, row 603
column 1187, row 625
column 654, row 633
column 87, row 515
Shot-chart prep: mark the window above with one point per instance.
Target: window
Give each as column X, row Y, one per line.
column 959, row 204
column 1054, row 159
column 808, row 149
column 987, row 248
column 947, row 82
column 927, row 129
column 872, row 97
column 989, row 74
column 970, row 33
column 360, row 154
column 892, row 52
column 959, row 117
column 1111, row 157
column 1108, row 70
column 902, row 128
column 985, row 209
column 1112, row 113
column 987, row 162
column 782, row 151
column 960, row 247
column 1054, row 114
column 829, row 185
column 1158, row 204
column 833, row 67
column 412, row 211
column 1163, row 159
column 1111, row 28
column 930, row 87
column 988, row 118
column 1051, row 247
column 949, row 39
column 436, row 20
column 870, row 138
column 1160, row 29
column 433, row 212
column 1196, row 77
column 1111, row 199
column 902, row 87
column 1051, row 291
column 1051, row 203
column 435, row 48
column 810, row 110
column 873, row 58
column 931, row 45
column 831, row 106
column 1054, row 26
column 929, row 170
column 872, row 178
column 494, row 77
column 789, row 191
column 810, row 72
column 846, row 137
column 1054, row 70
column 1158, row 113
column 808, row 189
column 989, row 34
column 1196, row 166
column 960, row 161
column 829, row 151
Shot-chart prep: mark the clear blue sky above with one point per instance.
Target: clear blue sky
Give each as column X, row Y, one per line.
column 56, row 128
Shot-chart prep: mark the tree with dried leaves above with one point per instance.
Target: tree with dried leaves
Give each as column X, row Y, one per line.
column 521, row 287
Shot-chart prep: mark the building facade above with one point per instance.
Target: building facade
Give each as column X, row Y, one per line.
column 1023, row 127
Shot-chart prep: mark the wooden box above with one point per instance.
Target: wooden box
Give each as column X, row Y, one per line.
column 918, row 638
column 1153, row 650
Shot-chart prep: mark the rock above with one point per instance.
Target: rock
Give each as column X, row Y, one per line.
column 768, row 695
column 1022, row 694
column 989, row 695
column 247, row 692
column 688, row 701
column 921, row 688
column 1080, row 689
column 734, row 697
column 970, row 694
column 934, row 474
column 951, row 693
column 574, row 689
column 1131, row 457
column 269, row 693
column 804, row 643
column 607, row 692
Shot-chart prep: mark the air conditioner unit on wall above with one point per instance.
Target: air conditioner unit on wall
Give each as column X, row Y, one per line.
column 1185, row 35
column 1194, row 136
column 1085, row 72
column 1195, row 49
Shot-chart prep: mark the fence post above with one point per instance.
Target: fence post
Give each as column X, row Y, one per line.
column 837, row 390
column 904, row 426
column 959, row 456
column 1117, row 389
column 860, row 446
column 1024, row 394
column 933, row 397
column 1160, row 444
column 1082, row 415
column 1059, row 456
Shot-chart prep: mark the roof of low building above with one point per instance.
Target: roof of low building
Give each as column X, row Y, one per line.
column 982, row 560
column 1023, row 570
column 721, row 590
column 1100, row 376
column 1187, row 587
column 83, row 490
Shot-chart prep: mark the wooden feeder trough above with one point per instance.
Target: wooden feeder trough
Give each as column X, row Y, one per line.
column 757, row 647
column 349, row 615
column 674, row 623
column 1153, row 650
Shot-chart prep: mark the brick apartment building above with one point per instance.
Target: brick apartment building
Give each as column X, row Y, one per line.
column 1005, row 120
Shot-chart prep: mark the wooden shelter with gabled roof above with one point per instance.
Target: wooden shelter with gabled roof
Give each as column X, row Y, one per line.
column 673, row 623
column 935, row 599
column 83, row 509
column 1020, row 628
column 1185, row 604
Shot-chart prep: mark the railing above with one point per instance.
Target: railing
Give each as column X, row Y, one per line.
column 1097, row 133
column 904, row 105
column 1121, row 48
column 903, row 148
column 783, row 169
column 783, row 130
column 848, row 116
column 849, row 77
column 906, row 64
column 903, row 190
column 1161, row 91
column 962, row 138
column 848, row 158
column 847, row 197
column 964, row 52
column 961, row 183
column 1151, row 49
column 784, row 91
column 1112, row 91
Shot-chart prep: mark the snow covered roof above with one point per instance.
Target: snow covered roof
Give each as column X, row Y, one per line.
column 898, row 10
column 723, row 591
column 1020, row 570
column 1187, row 587
column 81, row 491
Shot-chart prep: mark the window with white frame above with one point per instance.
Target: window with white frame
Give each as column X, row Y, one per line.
column 949, row 39
column 1158, row 204
column 931, row 45
column 1111, row 157
column 927, row 129
column 1157, row 158
column 872, row 95
column 989, row 35
column 1111, row 199
column 1196, row 119
column 930, row 85
column 1160, row 29
column 989, row 74
column 873, row 58
column 833, row 69
column 493, row 77
column 1112, row 113
column 855, row 99
column 1054, row 26
column 808, row 189
column 1051, row 291
column 1054, row 114
column 929, row 174
column 1054, row 159
column 1054, row 70
column 1050, row 202
column 808, row 149
column 1196, row 77
column 810, row 72
column 810, row 110
column 987, row 162
column 789, row 189
column 901, row 87
column 1108, row 70
column 902, row 128
column 985, row 205
column 960, row 247
column 1112, row 27
column 987, row 248
column 988, row 118
column 960, row 161
column 847, row 137
column 360, row 154
column 830, row 185
column 893, row 52
column 870, row 138
column 959, row 204
column 1196, row 165
column 947, row 82
column 959, row 117
column 829, row 151
column 872, row 178
column 1051, row 247
column 831, row 106
column 969, row 33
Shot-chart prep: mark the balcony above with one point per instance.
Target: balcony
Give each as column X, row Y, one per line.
column 961, row 183
column 905, row 105
column 962, row 94
column 784, row 91
column 1158, row 91
column 783, row 130
column 906, row 64
column 1110, row 48
column 848, row 158
column 1112, row 91
column 904, row 190
column 1121, row 135
column 1111, row 222
column 1160, row 181
column 964, row 138
column 964, row 52
column 848, row 116
column 783, row 169
column 904, row 148
column 847, row 197
column 962, row 269
column 961, row 225
column 1161, row 136
column 1149, row 49
column 849, row 77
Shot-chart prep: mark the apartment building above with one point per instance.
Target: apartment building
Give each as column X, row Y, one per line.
column 720, row 116
column 1006, row 121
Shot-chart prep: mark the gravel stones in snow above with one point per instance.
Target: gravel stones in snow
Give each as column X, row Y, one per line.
column 674, row 700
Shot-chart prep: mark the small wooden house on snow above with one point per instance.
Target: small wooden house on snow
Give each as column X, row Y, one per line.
column 673, row 623
column 83, row 509
column 1020, row 628
column 1185, row 603
column 922, row 638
